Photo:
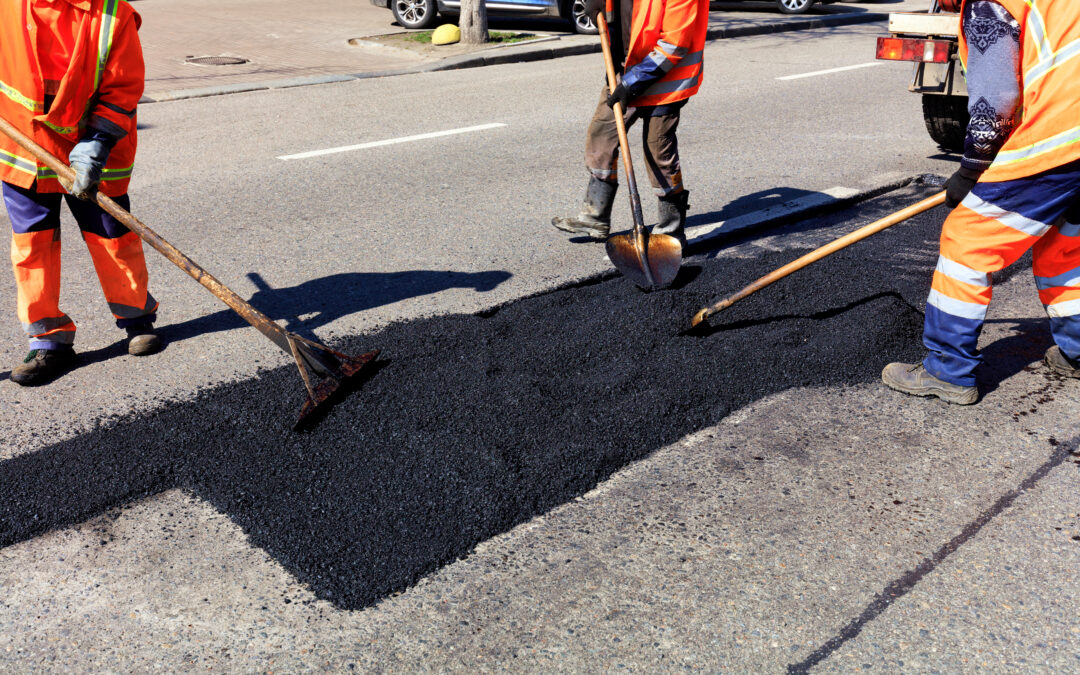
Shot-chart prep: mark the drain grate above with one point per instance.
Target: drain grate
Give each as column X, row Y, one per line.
column 215, row 60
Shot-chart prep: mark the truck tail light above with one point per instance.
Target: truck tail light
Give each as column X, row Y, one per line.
column 913, row 49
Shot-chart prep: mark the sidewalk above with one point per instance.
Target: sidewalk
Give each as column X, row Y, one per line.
column 287, row 47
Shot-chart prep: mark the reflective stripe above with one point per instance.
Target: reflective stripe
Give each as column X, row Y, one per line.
column 1044, row 66
column 1007, row 218
column 45, row 173
column 955, row 270
column 118, row 109
column 672, row 86
column 1063, row 310
column 48, row 325
column 1037, row 26
column 129, row 312
column 59, row 129
column 15, row 95
column 672, row 50
column 965, row 310
column 691, row 59
column 1041, row 148
column 661, row 60
column 17, row 163
column 1070, row 279
column 105, row 38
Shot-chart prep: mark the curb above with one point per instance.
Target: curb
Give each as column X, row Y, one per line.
column 505, row 55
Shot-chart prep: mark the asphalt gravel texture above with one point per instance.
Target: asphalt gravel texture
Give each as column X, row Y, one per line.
column 472, row 424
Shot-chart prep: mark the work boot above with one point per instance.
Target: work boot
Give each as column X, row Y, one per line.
column 672, row 221
column 1061, row 364
column 42, row 366
column 594, row 220
column 142, row 340
column 912, row 378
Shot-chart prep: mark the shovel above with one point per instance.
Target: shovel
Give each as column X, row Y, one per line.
column 651, row 262
column 817, row 254
column 333, row 366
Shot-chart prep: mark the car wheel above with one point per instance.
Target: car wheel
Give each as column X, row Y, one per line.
column 582, row 24
column 415, row 13
column 794, row 6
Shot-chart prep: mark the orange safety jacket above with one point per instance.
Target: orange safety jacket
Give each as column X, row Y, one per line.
column 671, row 33
column 1048, row 135
column 99, row 92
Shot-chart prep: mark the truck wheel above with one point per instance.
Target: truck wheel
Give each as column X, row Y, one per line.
column 946, row 120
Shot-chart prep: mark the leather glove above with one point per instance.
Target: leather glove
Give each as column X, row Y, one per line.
column 594, row 7
column 88, row 159
column 959, row 185
column 621, row 95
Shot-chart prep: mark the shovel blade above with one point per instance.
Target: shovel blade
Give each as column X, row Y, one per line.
column 663, row 255
column 349, row 367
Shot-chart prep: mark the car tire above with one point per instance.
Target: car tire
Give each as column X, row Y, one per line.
column 415, row 14
column 794, row 6
column 946, row 120
column 575, row 12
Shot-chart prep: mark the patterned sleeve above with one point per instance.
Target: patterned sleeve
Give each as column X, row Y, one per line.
column 994, row 80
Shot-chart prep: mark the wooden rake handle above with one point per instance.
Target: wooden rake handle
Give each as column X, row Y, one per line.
column 818, row 254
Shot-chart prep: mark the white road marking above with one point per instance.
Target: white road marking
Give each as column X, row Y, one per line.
column 392, row 141
column 830, row 70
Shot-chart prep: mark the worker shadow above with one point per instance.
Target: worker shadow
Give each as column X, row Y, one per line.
column 1022, row 350
column 307, row 307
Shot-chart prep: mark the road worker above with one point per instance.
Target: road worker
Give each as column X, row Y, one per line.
column 71, row 75
column 657, row 46
column 1017, row 188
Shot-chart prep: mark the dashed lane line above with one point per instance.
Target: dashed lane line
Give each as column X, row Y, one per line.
column 392, row 141
column 829, row 71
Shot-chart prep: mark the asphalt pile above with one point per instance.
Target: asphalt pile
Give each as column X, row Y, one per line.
column 475, row 423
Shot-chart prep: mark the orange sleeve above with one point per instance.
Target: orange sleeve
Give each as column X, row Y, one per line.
column 123, row 79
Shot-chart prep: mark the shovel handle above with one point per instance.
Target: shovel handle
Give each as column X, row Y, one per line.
column 624, row 150
column 253, row 316
column 818, row 254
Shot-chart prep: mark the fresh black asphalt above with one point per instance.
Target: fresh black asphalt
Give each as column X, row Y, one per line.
column 475, row 423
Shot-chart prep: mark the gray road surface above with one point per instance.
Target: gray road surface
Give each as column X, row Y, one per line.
column 790, row 551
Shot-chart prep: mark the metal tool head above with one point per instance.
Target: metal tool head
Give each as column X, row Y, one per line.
column 662, row 256
column 339, row 372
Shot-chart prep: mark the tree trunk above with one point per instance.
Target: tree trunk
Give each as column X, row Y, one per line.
column 473, row 22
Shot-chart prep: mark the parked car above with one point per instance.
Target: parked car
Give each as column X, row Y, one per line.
column 425, row 13
column 798, row 6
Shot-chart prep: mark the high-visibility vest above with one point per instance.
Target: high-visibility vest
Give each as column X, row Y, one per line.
column 1048, row 134
column 102, row 86
column 673, row 30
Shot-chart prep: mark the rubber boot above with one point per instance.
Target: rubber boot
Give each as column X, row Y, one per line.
column 673, row 210
column 594, row 220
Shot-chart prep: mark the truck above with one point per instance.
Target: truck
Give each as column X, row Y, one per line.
column 931, row 40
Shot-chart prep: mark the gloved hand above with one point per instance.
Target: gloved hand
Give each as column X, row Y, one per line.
column 621, row 94
column 594, row 7
column 88, row 159
column 959, row 185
